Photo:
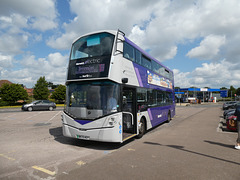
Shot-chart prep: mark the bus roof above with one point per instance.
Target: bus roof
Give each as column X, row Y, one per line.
column 114, row 32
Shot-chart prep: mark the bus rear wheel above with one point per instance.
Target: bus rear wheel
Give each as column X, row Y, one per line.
column 141, row 128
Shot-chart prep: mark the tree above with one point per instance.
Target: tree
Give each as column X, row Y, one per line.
column 223, row 88
column 13, row 92
column 238, row 91
column 59, row 93
column 40, row 90
column 231, row 91
column 52, row 86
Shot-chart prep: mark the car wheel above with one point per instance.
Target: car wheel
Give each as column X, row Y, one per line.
column 30, row 109
column 50, row 108
column 141, row 128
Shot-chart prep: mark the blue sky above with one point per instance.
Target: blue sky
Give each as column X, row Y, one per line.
column 198, row 39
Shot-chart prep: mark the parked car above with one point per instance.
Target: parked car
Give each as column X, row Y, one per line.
column 232, row 123
column 231, row 113
column 226, row 112
column 229, row 105
column 39, row 105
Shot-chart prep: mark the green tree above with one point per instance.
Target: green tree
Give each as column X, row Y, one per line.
column 223, row 88
column 59, row 93
column 231, row 91
column 13, row 92
column 238, row 91
column 40, row 90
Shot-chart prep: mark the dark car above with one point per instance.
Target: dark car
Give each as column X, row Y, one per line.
column 226, row 112
column 229, row 105
column 39, row 105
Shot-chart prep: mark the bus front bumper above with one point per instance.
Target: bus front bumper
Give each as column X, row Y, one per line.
column 108, row 134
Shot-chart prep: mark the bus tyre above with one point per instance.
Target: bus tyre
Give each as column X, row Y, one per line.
column 141, row 128
column 169, row 117
column 30, row 109
column 50, row 108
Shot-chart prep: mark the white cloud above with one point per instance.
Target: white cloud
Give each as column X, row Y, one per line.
column 98, row 15
column 17, row 17
column 158, row 26
column 12, row 43
column 181, row 79
column 39, row 15
column 53, row 67
column 43, row 23
column 214, row 75
column 6, row 61
column 63, row 42
column 28, row 8
column 208, row 49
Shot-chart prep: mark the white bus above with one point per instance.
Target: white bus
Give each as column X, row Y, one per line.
column 115, row 90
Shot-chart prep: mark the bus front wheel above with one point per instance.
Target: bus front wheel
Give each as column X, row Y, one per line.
column 141, row 128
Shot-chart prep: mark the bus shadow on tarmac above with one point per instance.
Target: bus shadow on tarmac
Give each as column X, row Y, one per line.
column 58, row 136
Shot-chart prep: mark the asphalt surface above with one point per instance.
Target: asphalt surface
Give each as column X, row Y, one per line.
column 192, row 146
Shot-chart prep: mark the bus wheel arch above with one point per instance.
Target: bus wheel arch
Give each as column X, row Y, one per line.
column 142, row 127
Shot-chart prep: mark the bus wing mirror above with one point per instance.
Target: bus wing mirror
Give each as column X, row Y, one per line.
column 124, row 80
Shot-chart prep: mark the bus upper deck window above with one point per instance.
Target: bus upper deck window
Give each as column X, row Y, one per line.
column 128, row 52
column 146, row 62
column 138, row 57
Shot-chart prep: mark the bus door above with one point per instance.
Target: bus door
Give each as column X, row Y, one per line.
column 129, row 112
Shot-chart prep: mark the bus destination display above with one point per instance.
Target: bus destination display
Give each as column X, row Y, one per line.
column 89, row 68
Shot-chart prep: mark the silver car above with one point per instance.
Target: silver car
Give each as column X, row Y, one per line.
column 39, row 105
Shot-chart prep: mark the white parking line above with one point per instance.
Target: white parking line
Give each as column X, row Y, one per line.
column 53, row 117
column 9, row 116
column 33, row 115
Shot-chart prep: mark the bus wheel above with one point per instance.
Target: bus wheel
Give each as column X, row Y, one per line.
column 169, row 117
column 141, row 128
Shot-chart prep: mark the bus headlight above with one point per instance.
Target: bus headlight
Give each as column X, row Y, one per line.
column 111, row 121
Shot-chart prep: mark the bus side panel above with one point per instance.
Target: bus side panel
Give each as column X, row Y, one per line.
column 172, row 110
column 144, row 114
column 122, row 68
column 158, row 114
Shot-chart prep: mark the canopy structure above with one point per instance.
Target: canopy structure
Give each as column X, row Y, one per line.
column 205, row 94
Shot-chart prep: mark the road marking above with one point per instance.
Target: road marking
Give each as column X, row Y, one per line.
column 131, row 149
column 9, row 158
column 9, row 116
column 53, row 116
column 52, row 173
column 80, row 163
column 33, row 115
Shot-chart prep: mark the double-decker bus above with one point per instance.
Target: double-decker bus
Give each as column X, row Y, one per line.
column 115, row 90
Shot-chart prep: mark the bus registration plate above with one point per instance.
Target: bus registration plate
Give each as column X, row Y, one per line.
column 83, row 137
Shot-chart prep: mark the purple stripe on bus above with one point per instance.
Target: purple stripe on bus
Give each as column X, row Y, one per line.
column 139, row 77
column 82, row 122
